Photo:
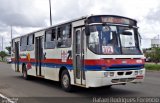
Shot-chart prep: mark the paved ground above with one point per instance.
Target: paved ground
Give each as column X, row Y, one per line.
column 13, row 85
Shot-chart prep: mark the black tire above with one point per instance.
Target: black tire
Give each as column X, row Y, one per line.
column 108, row 86
column 66, row 82
column 25, row 75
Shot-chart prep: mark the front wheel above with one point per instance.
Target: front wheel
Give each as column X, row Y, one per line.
column 65, row 81
column 108, row 87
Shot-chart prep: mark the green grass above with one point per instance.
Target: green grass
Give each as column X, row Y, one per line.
column 152, row 67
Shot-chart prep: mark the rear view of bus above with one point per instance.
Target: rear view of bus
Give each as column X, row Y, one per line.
column 114, row 55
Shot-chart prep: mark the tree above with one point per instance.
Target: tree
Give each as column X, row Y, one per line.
column 155, row 54
column 9, row 49
column 3, row 54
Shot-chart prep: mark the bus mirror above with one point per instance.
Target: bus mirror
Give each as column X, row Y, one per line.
column 87, row 30
column 139, row 38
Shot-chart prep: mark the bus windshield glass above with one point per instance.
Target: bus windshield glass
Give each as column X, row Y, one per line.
column 113, row 40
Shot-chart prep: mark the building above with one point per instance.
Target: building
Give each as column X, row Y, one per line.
column 155, row 42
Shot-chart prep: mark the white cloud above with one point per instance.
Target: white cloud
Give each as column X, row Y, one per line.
column 28, row 15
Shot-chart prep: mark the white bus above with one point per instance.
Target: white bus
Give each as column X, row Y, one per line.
column 93, row 51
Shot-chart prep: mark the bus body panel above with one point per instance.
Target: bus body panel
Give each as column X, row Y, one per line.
column 96, row 68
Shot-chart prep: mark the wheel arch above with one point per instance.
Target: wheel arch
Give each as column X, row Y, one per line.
column 60, row 72
column 69, row 87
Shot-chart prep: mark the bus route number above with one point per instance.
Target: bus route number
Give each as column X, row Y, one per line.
column 107, row 49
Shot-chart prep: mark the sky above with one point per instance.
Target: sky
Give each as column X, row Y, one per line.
column 29, row 15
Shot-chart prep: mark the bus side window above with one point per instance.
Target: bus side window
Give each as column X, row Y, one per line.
column 64, row 36
column 23, row 43
column 50, row 39
column 30, row 42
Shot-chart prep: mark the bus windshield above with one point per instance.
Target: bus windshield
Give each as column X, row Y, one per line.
column 113, row 40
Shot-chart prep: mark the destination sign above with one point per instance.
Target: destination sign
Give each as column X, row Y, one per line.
column 110, row 19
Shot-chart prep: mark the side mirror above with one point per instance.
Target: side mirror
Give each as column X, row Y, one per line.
column 140, row 39
column 87, row 30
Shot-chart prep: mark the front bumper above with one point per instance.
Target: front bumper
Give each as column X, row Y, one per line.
column 104, row 78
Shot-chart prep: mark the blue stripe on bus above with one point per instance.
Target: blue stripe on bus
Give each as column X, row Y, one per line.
column 90, row 67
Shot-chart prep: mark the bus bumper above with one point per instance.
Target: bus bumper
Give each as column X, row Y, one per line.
column 105, row 78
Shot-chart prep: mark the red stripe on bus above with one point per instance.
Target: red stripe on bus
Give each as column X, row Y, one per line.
column 107, row 62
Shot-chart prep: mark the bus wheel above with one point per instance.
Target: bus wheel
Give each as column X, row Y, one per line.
column 65, row 81
column 25, row 75
column 108, row 86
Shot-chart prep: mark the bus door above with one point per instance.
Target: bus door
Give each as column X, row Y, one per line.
column 39, row 55
column 78, row 56
column 17, row 56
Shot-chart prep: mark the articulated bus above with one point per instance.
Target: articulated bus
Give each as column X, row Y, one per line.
column 92, row 51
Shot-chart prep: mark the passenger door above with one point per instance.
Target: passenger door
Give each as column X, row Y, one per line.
column 16, row 56
column 39, row 55
column 78, row 56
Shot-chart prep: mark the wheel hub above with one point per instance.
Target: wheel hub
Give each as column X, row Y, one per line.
column 65, row 81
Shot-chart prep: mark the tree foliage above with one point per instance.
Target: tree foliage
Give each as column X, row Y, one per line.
column 8, row 49
column 154, row 54
column 3, row 54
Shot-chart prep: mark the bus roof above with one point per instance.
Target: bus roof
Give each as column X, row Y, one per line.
column 81, row 18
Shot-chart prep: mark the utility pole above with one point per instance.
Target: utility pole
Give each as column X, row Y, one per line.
column 158, row 41
column 50, row 12
column 2, row 43
column 11, row 33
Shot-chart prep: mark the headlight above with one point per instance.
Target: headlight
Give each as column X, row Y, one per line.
column 111, row 74
column 106, row 74
column 136, row 72
column 140, row 72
